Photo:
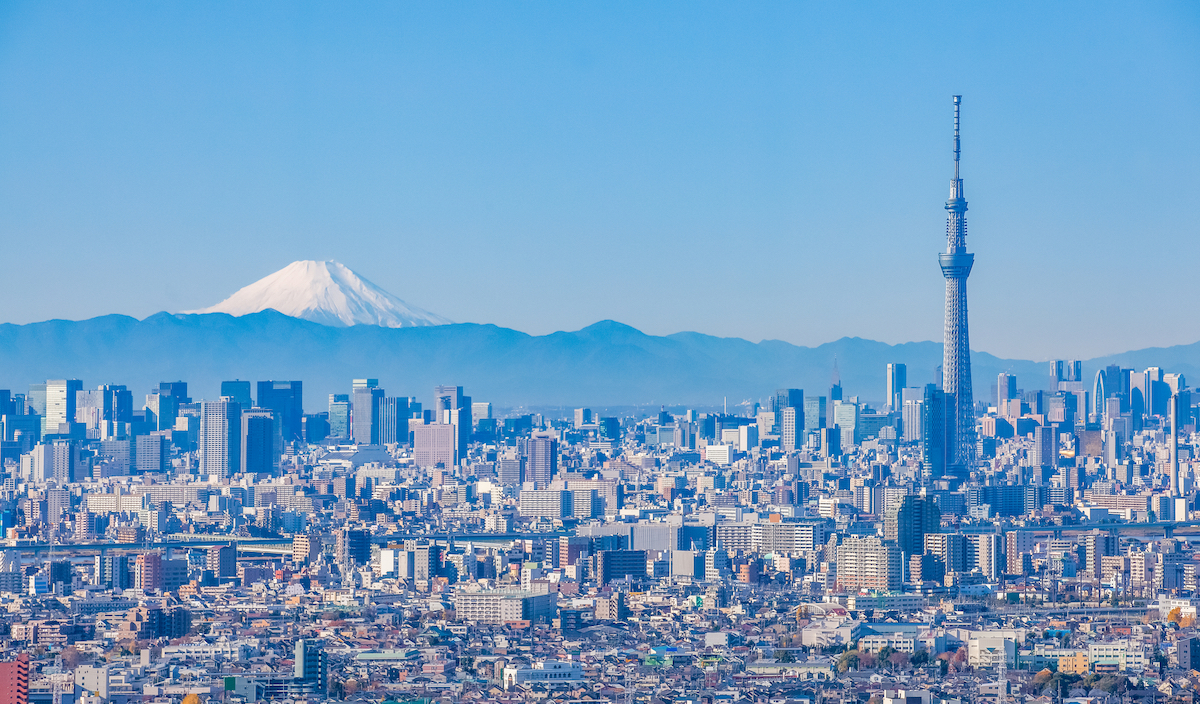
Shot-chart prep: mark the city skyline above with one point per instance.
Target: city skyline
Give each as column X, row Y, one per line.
column 315, row 487
column 608, row 165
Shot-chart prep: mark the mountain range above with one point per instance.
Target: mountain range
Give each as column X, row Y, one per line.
column 606, row 364
column 603, row 365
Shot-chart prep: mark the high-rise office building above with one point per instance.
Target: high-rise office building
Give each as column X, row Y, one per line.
column 1066, row 375
column 913, row 420
column 937, row 432
column 787, row 398
column 286, row 399
column 55, row 461
column 846, row 420
column 393, row 420
column 897, row 380
column 814, row 414
column 433, row 445
column 364, row 419
column 161, row 411
column 104, row 410
column 1006, row 388
column 238, row 391
column 220, row 438
column 956, row 366
column 451, row 407
column 259, row 442
column 1044, row 452
column 60, row 405
column 791, row 430
column 1177, row 412
column 316, row 427
column 177, row 389
column 542, row 462
column 35, row 400
column 153, row 453
column 339, row 416
column 835, row 384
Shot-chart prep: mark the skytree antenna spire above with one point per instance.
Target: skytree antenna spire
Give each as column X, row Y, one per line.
column 956, row 266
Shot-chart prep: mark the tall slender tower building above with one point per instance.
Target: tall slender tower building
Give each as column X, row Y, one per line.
column 956, row 367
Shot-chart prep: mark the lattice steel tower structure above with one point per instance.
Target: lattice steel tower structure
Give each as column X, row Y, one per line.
column 956, row 368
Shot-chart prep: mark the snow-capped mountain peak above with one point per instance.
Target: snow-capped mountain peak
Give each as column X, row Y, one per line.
column 327, row 293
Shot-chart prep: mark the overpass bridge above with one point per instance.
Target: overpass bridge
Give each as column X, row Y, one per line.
column 245, row 545
column 1167, row 528
column 394, row 538
column 272, row 546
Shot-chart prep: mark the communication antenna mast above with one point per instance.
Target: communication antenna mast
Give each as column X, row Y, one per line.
column 1002, row 693
column 58, row 681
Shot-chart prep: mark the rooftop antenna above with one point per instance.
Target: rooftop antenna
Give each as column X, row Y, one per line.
column 957, row 105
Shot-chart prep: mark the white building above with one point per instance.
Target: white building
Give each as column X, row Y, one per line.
column 718, row 454
column 1124, row 655
column 547, row 672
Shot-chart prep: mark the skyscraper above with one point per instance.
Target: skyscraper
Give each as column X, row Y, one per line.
column 1006, row 387
column 339, row 415
column 788, row 398
column 1044, row 451
column 365, row 412
column 937, row 432
column 814, row 414
column 60, row 404
column 791, row 429
column 897, row 379
column 220, row 438
column 258, row 444
column 956, row 367
column 543, row 459
column 393, row 420
column 1176, row 416
column 286, row 399
column 239, row 391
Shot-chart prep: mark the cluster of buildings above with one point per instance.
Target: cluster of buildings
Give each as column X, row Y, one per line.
column 1037, row 546
column 809, row 546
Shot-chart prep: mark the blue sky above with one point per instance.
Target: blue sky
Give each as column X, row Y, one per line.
column 761, row 170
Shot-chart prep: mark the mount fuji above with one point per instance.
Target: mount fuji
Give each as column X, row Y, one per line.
column 328, row 293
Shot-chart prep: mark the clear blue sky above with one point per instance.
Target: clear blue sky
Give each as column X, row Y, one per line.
column 762, row 170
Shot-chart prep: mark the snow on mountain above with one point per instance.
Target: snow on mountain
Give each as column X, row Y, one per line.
column 327, row 293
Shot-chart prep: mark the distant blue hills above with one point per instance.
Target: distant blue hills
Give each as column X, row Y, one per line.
column 606, row 364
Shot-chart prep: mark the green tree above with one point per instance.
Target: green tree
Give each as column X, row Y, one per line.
column 847, row 661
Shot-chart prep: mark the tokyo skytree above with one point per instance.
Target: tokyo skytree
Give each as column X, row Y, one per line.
column 956, row 367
